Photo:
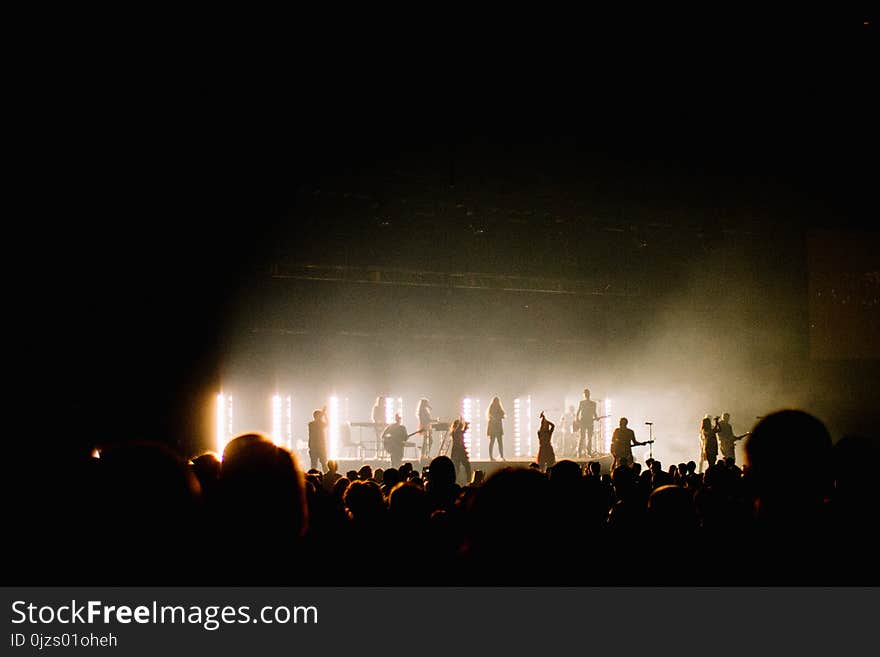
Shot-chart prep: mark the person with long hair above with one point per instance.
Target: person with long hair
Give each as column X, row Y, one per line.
column 708, row 442
column 423, row 413
column 459, row 454
column 495, row 427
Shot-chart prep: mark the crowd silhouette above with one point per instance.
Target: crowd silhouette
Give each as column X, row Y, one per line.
column 801, row 510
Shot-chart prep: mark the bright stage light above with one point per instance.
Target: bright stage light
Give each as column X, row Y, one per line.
column 333, row 426
column 478, row 434
column 516, row 428
column 529, row 424
column 393, row 405
column 282, row 421
column 607, row 425
column 467, row 409
column 288, row 417
column 522, row 425
column 389, row 410
column 276, row 419
column 223, row 421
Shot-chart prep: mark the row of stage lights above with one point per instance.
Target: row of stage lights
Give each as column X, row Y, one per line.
column 337, row 412
column 282, row 420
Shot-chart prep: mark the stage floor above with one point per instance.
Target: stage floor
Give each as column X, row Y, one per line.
column 488, row 467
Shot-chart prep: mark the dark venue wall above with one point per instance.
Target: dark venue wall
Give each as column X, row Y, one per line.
column 690, row 182
column 655, row 219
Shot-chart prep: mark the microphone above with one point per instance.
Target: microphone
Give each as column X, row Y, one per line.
column 649, row 423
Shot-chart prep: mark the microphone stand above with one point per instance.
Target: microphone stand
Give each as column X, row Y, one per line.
column 651, row 438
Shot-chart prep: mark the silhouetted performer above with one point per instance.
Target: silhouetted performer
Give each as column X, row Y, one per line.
column 393, row 439
column 546, row 455
column 318, row 439
column 495, row 427
column 379, row 421
column 622, row 441
column 459, row 454
column 423, row 413
column 586, row 415
column 709, row 442
column 726, row 438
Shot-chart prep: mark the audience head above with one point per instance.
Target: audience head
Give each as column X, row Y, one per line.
column 671, row 510
column 263, row 490
column 364, row 502
column 391, row 477
column 206, row 468
column 408, row 504
column 779, row 486
column 441, row 472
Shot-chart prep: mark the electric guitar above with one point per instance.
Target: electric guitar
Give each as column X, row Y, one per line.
column 576, row 426
column 386, row 440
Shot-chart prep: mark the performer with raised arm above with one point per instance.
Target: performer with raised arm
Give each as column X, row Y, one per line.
column 726, row 437
column 495, row 427
column 622, row 441
column 459, row 454
column 423, row 413
column 546, row 455
column 586, row 415
column 318, row 439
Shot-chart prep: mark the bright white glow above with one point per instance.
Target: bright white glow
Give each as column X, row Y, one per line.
column 333, row 427
column 517, row 427
column 288, row 416
column 529, row 420
column 389, row 410
column 223, row 421
column 400, row 408
column 467, row 409
column 478, row 434
column 277, row 431
column 219, row 424
column 607, row 425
